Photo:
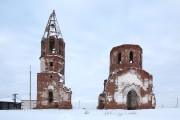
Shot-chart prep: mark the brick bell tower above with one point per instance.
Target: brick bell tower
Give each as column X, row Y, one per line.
column 51, row 89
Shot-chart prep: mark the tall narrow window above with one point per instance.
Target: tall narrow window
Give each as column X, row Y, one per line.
column 51, row 64
column 132, row 100
column 60, row 48
column 119, row 58
column 51, row 46
column 50, row 96
column 50, row 76
column 42, row 47
column 140, row 61
column 131, row 57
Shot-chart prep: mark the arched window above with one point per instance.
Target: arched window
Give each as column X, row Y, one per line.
column 132, row 100
column 119, row 58
column 140, row 61
column 50, row 98
column 60, row 48
column 51, row 46
column 131, row 57
column 51, row 64
column 42, row 47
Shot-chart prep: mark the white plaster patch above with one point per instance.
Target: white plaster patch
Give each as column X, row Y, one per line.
column 150, row 96
column 109, row 98
column 117, row 70
column 144, row 99
column 146, row 83
column 65, row 96
column 44, row 94
column 118, row 97
column 61, row 77
column 55, row 96
column 121, row 96
column 128, row 79
column 54, row 83
column 132, row 87
column 51, row 87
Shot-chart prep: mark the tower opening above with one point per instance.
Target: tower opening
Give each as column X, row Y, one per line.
column 140, row 61
column 50, row 96
column 42, row 47
column 60, row 49
column 50, row 76
column 51, row 46
column 119, row 58
column 51, row 64
column 131, row 57
column 131, row 100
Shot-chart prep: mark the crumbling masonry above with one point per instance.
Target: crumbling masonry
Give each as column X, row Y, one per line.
column 51, row 89
column 128, row 85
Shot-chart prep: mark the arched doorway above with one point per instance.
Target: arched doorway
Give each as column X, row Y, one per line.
column 131, row 100
column 50, row 96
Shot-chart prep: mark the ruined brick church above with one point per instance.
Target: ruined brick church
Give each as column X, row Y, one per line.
column 51, row 89
column 128, row 85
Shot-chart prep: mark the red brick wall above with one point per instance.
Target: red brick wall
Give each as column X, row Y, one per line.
column 51, row 77
column 124, row 67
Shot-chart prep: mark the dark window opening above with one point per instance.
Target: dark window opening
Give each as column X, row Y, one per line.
column 60, row 48
column 42, row 47
column 50, row 96
column 140, row 61
column 119, row 58
column 52, row 25
column 131, row 57
column 132, row 100
column 51, row 46
column 50, row 76
column 51, row 64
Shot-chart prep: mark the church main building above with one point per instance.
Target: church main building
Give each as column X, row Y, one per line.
column 51, row 89
column 128, row 85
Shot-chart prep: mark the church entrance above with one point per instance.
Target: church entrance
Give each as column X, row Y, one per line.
column 131, row 100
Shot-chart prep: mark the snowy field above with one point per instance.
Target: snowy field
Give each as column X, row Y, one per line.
column 81, row 114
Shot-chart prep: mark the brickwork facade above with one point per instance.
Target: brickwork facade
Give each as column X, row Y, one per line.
column 51, row 89
column 128, row 85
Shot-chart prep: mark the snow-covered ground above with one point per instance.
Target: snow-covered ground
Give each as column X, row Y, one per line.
column 81, row 114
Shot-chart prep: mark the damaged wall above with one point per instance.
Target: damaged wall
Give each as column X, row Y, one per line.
column 51, row 89
column 128, row 85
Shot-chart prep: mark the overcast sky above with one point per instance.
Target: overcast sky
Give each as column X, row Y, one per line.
column 90, row 28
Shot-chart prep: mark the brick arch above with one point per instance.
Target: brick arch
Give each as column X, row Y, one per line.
column 131, row 56
column 132, row 100
column 135, row 88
